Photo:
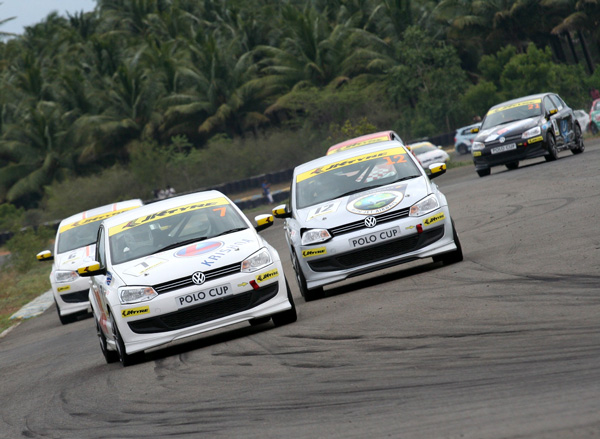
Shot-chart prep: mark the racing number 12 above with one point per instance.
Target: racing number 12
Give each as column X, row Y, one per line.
column 399, row 159
column 220, row 209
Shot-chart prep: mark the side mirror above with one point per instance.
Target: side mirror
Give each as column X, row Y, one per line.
column 474, row 130
column 91, row 269
column 46, row 255
column 263, row 222
column 437, row 169
column 282, row 211
column 552, row 111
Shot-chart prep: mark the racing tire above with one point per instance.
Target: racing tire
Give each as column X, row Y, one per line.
column 306, row 293
column 65, row 320
column 109, row 356
column 578, row 140
column 289, row 316
column 552, row 152
column 462, row 149
column 484, row 172
column 512, row 165
column 125, row 358
column 454, row 256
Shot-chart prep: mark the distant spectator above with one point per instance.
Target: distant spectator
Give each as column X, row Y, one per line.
column 594, row 93
column 266, row 187
column 169, row 191
column 476, row 118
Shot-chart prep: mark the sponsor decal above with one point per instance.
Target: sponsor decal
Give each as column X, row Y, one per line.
column 314, row 252
column 410, row 227
column 65, row 288
column 143, row 267
column 221, row 201
column 108, row 278
column 323, row 209
column 530, row 104
column 394, row 154
column 266, row 276
column 555, row 126
column 476, row 153
column 434, row 219
column 135, row 311
column 535, row 139
column 243, row 284
column 198, row 249
column 375, row 203
column 93, row 219
column 218, row 254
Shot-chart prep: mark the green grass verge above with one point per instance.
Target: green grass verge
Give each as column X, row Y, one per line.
column 18, row 289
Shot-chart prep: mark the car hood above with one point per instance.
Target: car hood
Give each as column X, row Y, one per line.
column 432, row 155
column 73, row 259
column 358, row 206
column 507, row 130
column 185, row 260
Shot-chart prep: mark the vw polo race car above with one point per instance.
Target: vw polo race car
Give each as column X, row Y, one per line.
column 180, row 267
column 427, row 153
column 524, row 128
column 75, row 242
column 363, row 210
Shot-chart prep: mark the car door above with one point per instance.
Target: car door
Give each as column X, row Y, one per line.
column 564, row 118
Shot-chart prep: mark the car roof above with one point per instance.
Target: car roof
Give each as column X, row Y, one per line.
column 162, row 205
column 113, row 207
column 367, row 139
column 420, row 144
column 340, row 156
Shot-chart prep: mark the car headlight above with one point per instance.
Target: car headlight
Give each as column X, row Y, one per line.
column 315, row 235
column 136, row 294
column 535, row 131
column 476, row 146
column 258, row 260
column 426, row 205
column 62, row 276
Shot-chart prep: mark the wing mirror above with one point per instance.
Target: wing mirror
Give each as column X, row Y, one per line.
column 282, row 211
column 46, row 255
column 263, row 222
column 437, row 169
column 91, row 269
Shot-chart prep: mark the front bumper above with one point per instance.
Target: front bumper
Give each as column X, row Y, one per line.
column 160, row 321
column 72, row 297
column 337, row 260
column 484, row 159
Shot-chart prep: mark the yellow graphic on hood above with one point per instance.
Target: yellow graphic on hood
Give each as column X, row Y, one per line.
column 349, row 161
column 221, row 201
column 93, row 219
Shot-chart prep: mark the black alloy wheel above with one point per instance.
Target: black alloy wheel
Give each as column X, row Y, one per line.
column 552, row 152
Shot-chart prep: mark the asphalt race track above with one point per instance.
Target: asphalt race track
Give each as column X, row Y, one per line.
column 505, row 344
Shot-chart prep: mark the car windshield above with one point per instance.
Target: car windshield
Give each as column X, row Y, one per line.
column 353, row 175
column 169, row 230
column 512, row 112
column 422, row 149
column 78, row 237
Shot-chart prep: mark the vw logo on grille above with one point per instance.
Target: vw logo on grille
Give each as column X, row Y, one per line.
column 370, row 221
column 198, row 278
column 502, row 139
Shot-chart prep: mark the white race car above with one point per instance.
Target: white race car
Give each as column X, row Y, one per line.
column 180, row 267
column 75, row 241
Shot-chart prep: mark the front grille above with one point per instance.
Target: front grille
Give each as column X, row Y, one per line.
column 76, row 297
column 204, row 313
column 377, row 252
column 360, row 224
column 186, row 281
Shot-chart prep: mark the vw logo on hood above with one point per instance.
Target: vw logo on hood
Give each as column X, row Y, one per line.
column 370, row 221
column 198, row 278
column 502, row 139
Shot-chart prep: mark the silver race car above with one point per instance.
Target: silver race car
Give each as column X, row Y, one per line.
column 362, row 210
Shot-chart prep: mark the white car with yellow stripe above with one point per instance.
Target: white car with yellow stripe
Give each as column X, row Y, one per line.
column 362, row 210
column 180, row 267
column 76, row 242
